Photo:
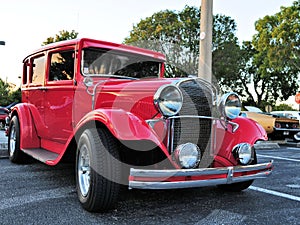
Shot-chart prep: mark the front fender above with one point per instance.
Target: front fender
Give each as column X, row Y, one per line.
column 249, row 131
column 123, row 125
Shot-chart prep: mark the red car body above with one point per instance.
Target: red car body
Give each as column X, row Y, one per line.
column 66, row 96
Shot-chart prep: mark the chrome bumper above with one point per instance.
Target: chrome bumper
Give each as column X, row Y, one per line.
column 297, row 136
column 287, row 129
column 188, row 178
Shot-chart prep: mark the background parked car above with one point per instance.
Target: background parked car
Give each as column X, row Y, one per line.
column 277, row 128
column 10, row 106
column 3, row 114
column 292, row 115
column 287, row 114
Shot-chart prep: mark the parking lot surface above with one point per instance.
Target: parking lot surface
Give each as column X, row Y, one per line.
column 39, row 194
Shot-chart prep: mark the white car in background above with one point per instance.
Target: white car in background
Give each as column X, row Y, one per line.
column 287, row 114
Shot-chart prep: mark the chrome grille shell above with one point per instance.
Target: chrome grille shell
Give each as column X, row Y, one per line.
column 194, row 121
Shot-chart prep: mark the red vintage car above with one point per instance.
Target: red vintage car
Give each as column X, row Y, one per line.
column 107, row 108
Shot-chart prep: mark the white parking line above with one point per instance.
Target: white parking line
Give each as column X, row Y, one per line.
column 277, row 157
column 294, row 149
column 276, row 193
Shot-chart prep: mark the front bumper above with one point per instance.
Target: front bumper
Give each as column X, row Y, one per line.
column 189, row 178
column 297, row 136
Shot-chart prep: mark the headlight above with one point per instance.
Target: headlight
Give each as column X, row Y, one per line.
column 187, row 155
column 230, row 105
column 243, row 153
column 168, row 100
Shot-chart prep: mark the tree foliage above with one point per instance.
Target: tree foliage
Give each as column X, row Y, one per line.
column 61, row 36
column 8, row 96
column 262, row 71
column 276, row 54
column 283, row 107
column 4, row 91
column 176, row 34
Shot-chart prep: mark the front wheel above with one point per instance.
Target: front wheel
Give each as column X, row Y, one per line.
column 98, row 170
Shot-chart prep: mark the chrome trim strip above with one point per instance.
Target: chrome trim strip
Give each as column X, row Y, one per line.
column 152, row 122
column 171, row 137
column 265, row 169
column 286, row 129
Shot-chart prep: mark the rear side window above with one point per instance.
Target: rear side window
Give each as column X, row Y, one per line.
column 61, row 66
column 38, row 70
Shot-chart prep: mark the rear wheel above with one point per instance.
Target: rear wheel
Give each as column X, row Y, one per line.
column 98, row 170
column 14, row 151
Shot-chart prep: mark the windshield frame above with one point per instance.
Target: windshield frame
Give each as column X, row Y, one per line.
column 137, row 58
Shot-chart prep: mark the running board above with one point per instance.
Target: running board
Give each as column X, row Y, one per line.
column 41, row 154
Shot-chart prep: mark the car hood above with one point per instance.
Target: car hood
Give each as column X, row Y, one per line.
column 135, row 96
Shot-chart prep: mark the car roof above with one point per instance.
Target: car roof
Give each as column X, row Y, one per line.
column 85, row 42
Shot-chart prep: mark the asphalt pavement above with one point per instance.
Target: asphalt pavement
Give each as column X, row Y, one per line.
column 3, row 144
column 39, row 194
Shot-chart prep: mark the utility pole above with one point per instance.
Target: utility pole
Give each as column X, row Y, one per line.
column 205, row 45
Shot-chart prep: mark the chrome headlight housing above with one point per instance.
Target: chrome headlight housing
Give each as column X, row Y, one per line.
column 244, row 153
column 230, row 105
column 168, row 99
column 187, row 155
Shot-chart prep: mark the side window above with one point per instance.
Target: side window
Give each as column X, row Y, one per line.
column 61, row 66
column 26, row 69
column 38, row 70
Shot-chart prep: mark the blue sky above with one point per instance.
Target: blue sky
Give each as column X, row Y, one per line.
column 26, row 24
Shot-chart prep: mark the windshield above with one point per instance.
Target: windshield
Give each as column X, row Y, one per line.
column 103, row 62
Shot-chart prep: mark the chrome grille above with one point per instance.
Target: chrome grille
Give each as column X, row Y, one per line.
column 197, row 101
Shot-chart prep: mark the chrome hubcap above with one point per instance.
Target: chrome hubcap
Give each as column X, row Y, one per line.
column 84, row 170
column 12, row 141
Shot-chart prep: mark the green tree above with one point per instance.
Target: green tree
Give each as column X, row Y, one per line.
column 15, row 96
column 61, row 36
column 7, row 96
column 176, row 34
column 4, row 93
column 275, row 61
column 283, row 107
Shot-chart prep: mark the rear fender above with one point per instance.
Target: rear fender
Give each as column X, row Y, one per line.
column 28, row 134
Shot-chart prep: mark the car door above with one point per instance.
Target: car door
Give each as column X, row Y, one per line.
column 59, row 94
column 34, row 91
